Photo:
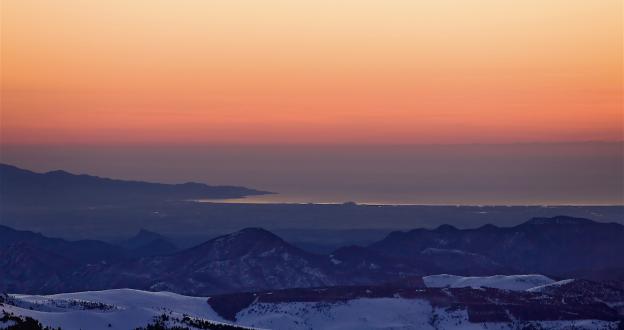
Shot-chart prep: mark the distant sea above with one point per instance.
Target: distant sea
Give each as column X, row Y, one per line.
column 370, row 200
column 584, row 173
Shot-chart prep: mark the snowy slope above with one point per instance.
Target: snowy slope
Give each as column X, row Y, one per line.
column 123, row 308
column 504, row 282
column 385, row 313
column 129, row 309
column 545, row 287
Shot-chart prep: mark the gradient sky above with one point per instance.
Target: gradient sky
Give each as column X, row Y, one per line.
column 330, row 72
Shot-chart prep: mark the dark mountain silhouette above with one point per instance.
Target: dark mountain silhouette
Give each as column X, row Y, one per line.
column 245, row 260
column 355, row 265
column 23, row 187
column 587, row 291
column 558, row 245
column 146, row 243
column 83, row 251
column 24, row 266
column 31, row 261
column 255, row 259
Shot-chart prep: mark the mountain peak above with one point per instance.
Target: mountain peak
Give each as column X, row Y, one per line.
column 147, row 233
column 253, row 233
column 244, row 246
column 559, row 220
column 58, row 172
column 147, row 243
column 446, row 228
column 488, row 226
column 244, row 239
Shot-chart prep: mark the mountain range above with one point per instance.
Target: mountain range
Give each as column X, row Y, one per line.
column 255, row 259
column 557, row 245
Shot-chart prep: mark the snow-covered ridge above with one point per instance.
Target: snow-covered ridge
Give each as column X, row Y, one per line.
column 503, row 282
column 447, row 303
column 118, row 309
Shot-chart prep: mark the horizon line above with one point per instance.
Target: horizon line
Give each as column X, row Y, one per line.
column 307, row 144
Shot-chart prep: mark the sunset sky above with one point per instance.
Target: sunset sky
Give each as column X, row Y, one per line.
column 328, row 72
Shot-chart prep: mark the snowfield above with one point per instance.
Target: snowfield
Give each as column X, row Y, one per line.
column 130, row 309
column 503, row 282
column 385, row 313
column 121, row 308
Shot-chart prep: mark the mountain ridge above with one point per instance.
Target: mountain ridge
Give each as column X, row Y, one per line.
column 24, row 187
column 556, row 246
column 257, row 259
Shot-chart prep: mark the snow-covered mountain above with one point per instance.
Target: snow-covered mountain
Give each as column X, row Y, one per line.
column 361, row 307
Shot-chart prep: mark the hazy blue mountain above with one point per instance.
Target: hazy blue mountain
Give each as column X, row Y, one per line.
column 23, row 187
column 82, row 251
column 255, row 259
column 32, row 262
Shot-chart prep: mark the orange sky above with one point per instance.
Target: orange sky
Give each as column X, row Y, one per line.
column 352, row 71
